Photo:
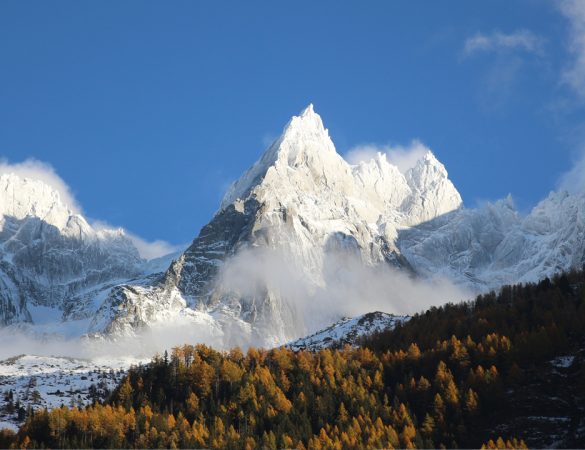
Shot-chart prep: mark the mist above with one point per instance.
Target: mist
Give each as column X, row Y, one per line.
column 139, row 347
column 343, row 287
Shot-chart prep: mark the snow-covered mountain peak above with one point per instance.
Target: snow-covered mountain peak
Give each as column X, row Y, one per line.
column 22, row 197
column 25, row 198
column 51, row 258
column 428, row 168
column 558, row 210
column 347, row 331
column 509, row 201
column 380, row 160
column 289, row 232
column 310, row 116
column 307, row 122
column 304, row 146
column 305, row 140
column 433, row 193
column 292, row 212
column 302, row 167
column 430, row 158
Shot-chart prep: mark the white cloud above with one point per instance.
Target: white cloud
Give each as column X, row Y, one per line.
column 574, row 74
column 574, row 179
column 363, row 153
column 130, row 349
column 521, row 40
column 348, row 287
column 403, row 157
column 500, row 79
column 153, row 249
column 38, row 170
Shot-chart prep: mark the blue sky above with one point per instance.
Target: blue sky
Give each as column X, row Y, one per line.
column 148, row 110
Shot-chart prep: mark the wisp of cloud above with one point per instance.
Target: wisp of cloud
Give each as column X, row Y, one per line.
column 403, row 157
column 343, row 286
column 520, row 40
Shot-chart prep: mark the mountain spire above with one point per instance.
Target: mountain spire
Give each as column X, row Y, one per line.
column 303, row 142
column 307, row 122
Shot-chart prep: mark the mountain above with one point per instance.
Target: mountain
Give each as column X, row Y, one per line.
column 301, row 207
column 54, row 266
column 347, row 331
column 492, row 246
column 300, row 240
column 302, row 221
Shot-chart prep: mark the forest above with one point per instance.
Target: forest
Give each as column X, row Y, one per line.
column 452, row 376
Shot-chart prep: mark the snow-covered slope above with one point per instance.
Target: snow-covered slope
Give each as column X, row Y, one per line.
column 49, row 382
column 303, row 202
column 347, row 331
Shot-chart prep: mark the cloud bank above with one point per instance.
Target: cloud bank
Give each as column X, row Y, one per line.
column 142, row 346
column 403, row 157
